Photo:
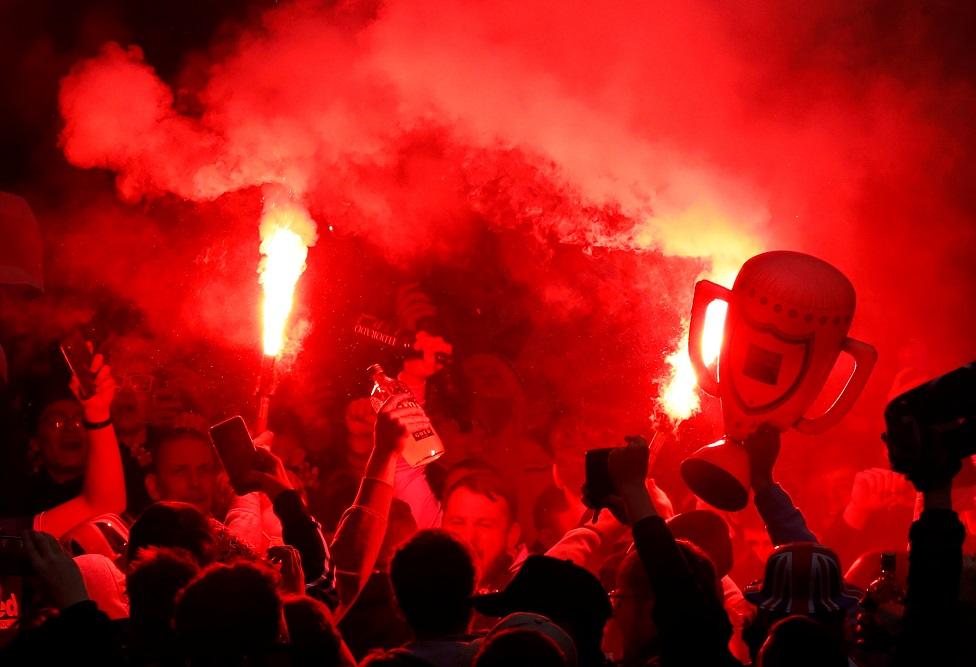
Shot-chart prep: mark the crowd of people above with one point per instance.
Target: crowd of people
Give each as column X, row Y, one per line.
column 126, row 544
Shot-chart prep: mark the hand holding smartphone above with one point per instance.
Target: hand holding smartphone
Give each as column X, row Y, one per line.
column 236, row 450
column 78, row 357
column 598, row 487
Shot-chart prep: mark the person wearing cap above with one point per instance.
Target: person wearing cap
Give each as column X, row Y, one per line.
column 566, row 593
column 801, row 578
column 799, row 563
column 600, row 546
column 669, row 604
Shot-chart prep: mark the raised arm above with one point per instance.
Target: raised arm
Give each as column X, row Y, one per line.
column 359, row 536
column 692, row 626
column 932, row 622
column 299, row 528
column 784, row 522
column 103, row 489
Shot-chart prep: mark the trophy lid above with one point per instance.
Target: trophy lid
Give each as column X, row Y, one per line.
column 799, row 282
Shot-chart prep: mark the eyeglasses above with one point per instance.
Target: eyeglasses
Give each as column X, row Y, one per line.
column 60, row 422
column 618, row 594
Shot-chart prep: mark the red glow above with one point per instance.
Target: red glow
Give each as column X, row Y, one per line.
column 687, row 136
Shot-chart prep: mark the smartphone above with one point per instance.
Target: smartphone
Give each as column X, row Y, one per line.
column 236, row 450
column 76, row 354
column 13, row 556
column 598, row 482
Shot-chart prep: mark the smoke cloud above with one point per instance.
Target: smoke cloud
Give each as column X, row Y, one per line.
column 617, row 150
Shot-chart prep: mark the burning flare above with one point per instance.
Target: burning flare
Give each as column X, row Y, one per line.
column 286, row 233
column 679, row 398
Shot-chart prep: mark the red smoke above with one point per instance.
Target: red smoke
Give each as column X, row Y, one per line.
column 649, row 130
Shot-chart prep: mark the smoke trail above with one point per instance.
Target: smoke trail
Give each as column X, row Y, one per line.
column 669, row 131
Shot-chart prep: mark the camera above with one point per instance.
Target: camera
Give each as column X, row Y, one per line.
column 934, row 422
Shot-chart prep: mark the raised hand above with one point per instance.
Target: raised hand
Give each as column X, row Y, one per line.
column 628, row 472
column 269, row 474
column 763, row 450
column 876, row 489
column 628, row 465
column 435, row 349
column 289, row 563
column 98, row 405
column 393, row 425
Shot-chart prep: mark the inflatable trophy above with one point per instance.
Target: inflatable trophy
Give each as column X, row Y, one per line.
column 786, row 325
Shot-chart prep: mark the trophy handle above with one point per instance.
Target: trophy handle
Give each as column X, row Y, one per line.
column 864, row 358
column 705, row 292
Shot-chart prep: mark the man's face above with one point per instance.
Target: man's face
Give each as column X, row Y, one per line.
column 632, row 611
column 61, row 437
column 130, row 409
column 186, row 471
column 484, row 524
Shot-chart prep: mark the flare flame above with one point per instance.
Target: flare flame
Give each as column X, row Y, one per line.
column 680, row 398
column 286, row 233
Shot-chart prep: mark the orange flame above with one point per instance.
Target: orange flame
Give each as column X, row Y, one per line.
column 286, row 233
column 680, row 398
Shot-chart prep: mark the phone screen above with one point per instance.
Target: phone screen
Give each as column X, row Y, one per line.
column 79, row 360
column 598, row 483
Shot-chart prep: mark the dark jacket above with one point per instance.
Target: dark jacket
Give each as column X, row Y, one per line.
column 931, row 635
column 693, row 628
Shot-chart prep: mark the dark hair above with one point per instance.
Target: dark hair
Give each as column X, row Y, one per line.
column 757, row 629
column 519, row 646
column 798, row 641
column 312, row 632
column 228, row 613
column 175, row 525
column 433, row 578
column 172, row 435
column 152, row 583
column 486, row 484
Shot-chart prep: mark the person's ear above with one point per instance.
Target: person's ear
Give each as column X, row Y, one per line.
column 152, row 486
column 514, row 533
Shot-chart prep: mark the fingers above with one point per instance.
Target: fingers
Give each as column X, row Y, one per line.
column 263, row 440
column 282, row 552
column 409, row 412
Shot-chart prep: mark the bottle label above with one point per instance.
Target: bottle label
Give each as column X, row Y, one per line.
column 426, row 431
